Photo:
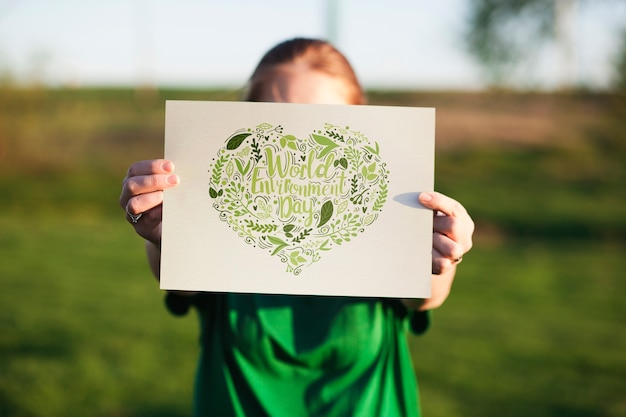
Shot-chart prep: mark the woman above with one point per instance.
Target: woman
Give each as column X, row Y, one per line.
column 299, row 355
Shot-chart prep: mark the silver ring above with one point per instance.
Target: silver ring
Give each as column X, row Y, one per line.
column 133, row 217
column 457, row 260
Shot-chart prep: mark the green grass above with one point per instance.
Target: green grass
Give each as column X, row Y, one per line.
column 84, row 328
column 534, row 326
column 532, row 329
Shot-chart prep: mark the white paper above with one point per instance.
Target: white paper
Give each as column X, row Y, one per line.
column 298, row 199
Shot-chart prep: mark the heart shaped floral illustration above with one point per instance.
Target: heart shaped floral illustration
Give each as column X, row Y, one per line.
column 298, row 197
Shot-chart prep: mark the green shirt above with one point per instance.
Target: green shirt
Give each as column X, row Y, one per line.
column 270, row 355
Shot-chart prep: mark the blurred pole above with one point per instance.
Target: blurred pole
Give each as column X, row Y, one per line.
column 143, row 27
column 565, row 17
column 332, row 21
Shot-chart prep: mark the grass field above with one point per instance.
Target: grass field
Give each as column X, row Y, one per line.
column 535, row 326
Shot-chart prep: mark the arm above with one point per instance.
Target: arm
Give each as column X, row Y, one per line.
column 153, row 252
column 452, row 238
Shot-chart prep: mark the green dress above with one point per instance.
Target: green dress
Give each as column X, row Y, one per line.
column 272, row 355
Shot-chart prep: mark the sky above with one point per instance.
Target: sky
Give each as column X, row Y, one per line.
column 208, row 43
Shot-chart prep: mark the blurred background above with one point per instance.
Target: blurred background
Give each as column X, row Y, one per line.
column 531, row 138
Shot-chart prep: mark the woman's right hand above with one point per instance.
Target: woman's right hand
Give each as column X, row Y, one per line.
column 142, row 194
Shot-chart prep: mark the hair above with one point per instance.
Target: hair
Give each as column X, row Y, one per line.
column 314, row 54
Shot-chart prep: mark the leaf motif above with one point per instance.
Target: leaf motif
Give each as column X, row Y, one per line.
column 213, row 193
column 277, row 241
column 323, row 140
column 372, row 150
column 243, row 170
column 328, row 144
column 264, row 126
column 280, row 244
column 323, row 245
column 342, row 207
column 229, row 168
column 288, row 228
column 235, row 141
column 326, row 213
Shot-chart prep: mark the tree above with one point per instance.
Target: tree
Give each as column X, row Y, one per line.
column 501, row 33
column 620, row 66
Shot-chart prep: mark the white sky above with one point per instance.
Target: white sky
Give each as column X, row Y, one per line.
column 206, row 43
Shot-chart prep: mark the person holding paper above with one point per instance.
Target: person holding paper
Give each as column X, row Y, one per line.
column 284, row 355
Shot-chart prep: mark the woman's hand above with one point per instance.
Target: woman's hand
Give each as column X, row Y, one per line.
column 142, row 196
column 452, row 238
column 452, row 231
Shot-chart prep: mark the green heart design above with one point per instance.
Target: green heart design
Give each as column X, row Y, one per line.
column 298, row 197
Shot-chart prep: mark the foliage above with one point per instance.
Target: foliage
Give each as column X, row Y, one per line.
column 501, row 32
column 620, row 65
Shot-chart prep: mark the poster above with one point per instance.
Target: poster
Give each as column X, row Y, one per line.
column 309, row 199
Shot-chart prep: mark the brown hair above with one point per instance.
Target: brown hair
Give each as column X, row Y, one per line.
column 316, row 55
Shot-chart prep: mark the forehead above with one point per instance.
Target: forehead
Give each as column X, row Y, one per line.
column 298, row 84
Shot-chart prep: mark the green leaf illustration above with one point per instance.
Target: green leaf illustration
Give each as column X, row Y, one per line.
column 213, row 193
column 368, row 172
column 235, row 141
column 382, row 197
column 296, row 259
column 243, row 170
column 302, row 235
column 328, row 144
column 326, row 213
column 216, row 176
column 289, row 141
column 280, row 244
column 372, row 150
column 264, row 126
column 257, row 227
column 342, row 207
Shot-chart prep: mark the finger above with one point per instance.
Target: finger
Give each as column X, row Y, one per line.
column 150, row 166
column 144, row 184
column 439, row 202
column 444, row 225
column 142, row 168
column 457, row 229
column 144, row 202
column 441, row 263
column 452, row 221
column 149, row 225
column 447, row 247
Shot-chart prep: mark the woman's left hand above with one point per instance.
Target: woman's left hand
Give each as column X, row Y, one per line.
column 452, row 231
